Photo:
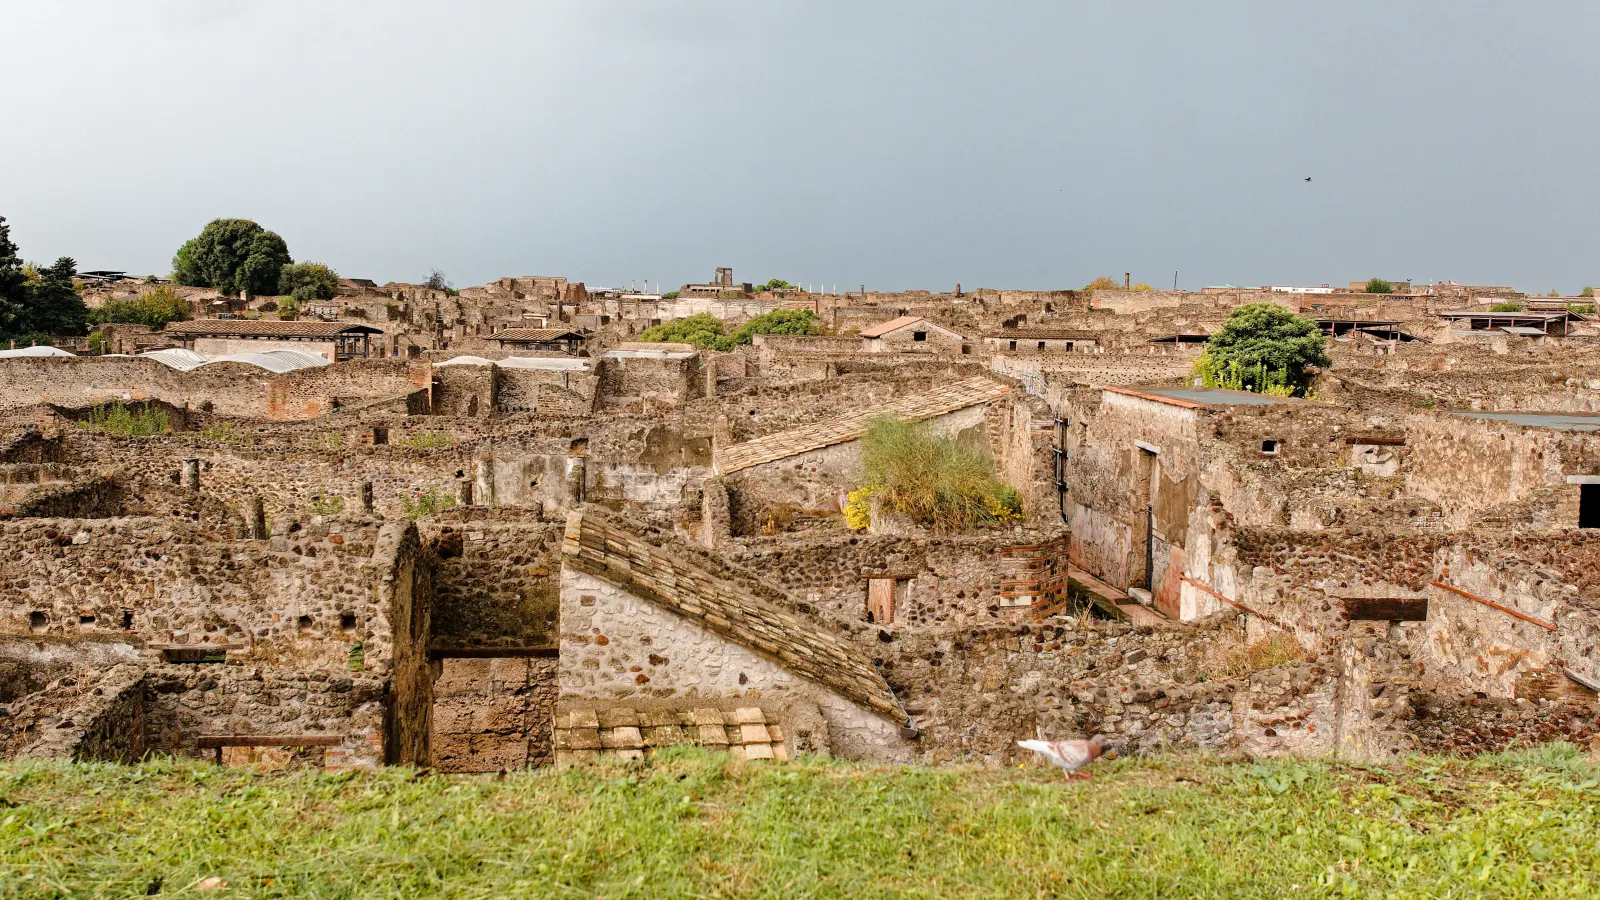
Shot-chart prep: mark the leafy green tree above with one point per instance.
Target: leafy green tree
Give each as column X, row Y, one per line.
column 1379, row 286
column 702, row 329
column 779, row 321
column 55, row 306
column 308, row 281
column 153, row 308
column 1103, row 283
column 776, row 284
column 1263, row 345
column 232, row 255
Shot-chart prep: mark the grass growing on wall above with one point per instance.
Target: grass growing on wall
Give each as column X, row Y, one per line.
column 426, row 503
column 935, row 481
column 695, row 824
column 117, row 418
column 425, row 440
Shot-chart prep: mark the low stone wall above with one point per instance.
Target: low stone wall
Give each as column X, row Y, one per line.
column 105, row 724
column 492, row 715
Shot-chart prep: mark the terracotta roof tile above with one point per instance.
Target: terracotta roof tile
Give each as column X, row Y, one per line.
column 266, row 328
column 853, row 424
column 536, row 334
column 884, row 328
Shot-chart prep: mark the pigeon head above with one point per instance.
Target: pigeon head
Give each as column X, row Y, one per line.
column 1098, row 745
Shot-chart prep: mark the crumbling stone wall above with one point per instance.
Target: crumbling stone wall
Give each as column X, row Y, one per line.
column 498, row 579
column 615, row 645
column 494, row 714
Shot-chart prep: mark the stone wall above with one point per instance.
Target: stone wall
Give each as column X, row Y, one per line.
column 497, row 579
column 616, row 646
column 494, row 714
column 235, row 389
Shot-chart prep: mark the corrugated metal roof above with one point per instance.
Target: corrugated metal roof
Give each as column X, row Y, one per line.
column 279, row 361
column 266, row 328
column 177, row 358
column 1557, row 421
column 26, row 352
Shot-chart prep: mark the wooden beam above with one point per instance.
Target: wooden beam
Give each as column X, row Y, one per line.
column 541, row 652
column 1385, row 609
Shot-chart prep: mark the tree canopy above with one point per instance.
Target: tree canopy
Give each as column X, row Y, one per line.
column 776, row 284
column 706, row 330
column 232, row 255
column 308, row 281
column 153, row 308
column 37, row 301
column 1379, row 286
column 1265, row 348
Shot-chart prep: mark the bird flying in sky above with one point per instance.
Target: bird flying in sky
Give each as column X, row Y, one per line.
column 1069, row 756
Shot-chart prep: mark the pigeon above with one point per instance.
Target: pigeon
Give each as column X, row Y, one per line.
column 1069, row 755
column 1308, row 177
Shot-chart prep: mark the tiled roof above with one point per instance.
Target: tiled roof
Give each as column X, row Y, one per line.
column 884, row 328
column 537, row 334
column 266, row 328
column 587, row 734
column 852, row 425
column 723, row 603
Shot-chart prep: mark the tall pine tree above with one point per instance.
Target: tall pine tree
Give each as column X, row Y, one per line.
column 13, row 282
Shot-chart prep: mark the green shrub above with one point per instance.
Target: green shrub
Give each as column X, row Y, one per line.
column 1508, row 306
column 427, row 503
column 1581, row 307
column 776, row 284
column 308, row 281
column 938, row 482
column 1586, row 292
column 670, row 295
column 1264, row 348
column 702, row 329
column 779, row 321
column 115, row 418
column 1379, row 286
column 153, row 309
column 327, row 506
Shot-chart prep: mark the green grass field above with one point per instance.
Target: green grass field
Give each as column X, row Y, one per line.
column 692, row 824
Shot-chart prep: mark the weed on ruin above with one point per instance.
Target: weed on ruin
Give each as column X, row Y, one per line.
column 125, row 421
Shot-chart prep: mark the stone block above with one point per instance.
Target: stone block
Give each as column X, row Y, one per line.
column 583, row 718
column 665, row 736
column 626, row 737
column 758, row 751
column 713, row 735
column 708, row 716
column 618, row 717
column 749, row 715
column 583, row 738
column 753, row 734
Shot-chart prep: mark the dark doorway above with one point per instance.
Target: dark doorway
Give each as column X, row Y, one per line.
column 1589, row 506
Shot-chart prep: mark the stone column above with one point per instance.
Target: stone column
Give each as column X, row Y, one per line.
column 257, row 521
column 366, row 498
column 191, row 474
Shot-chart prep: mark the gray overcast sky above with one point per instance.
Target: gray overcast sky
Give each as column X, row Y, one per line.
column 896, row 144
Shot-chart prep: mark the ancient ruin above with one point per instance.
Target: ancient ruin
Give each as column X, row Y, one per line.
column 494, row 529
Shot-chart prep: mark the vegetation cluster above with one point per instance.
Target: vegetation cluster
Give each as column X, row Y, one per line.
column 938, row 482
column 706, row 330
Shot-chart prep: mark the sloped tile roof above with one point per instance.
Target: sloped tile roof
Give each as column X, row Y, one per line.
column 723, row 603
column 537, row 334
column 267, row 328
column 884, row 328
column 852, row 425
